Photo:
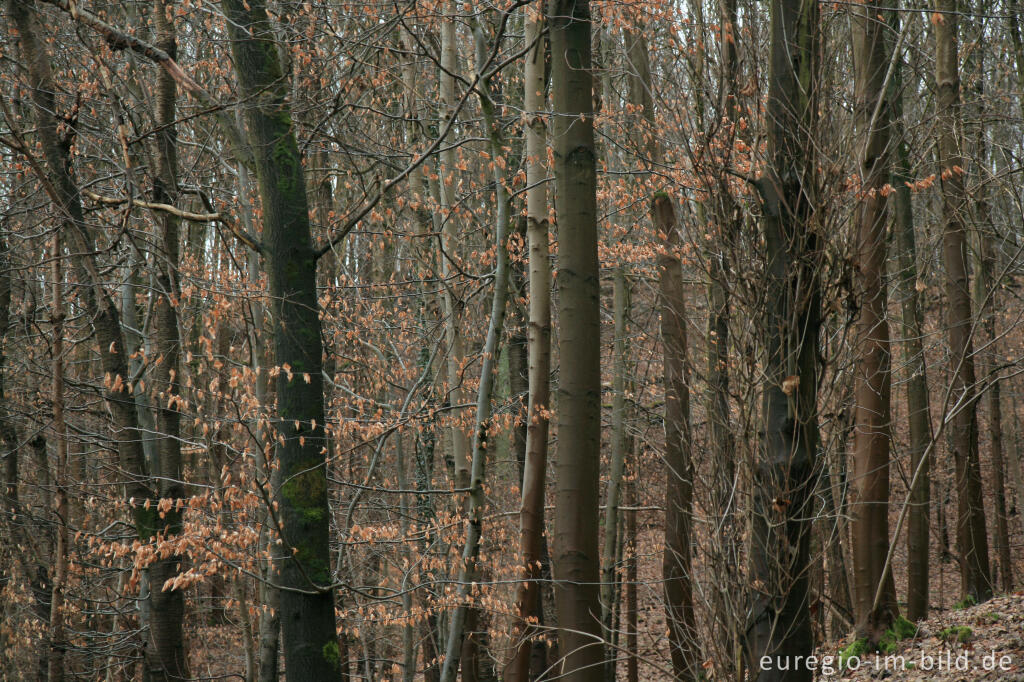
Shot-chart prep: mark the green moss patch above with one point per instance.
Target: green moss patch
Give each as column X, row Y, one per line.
column 958, row 633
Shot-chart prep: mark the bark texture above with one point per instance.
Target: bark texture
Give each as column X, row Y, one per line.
column 872, row 376
column 787, row 465
column 575, row 546
column 972, row 543
column 308, row 635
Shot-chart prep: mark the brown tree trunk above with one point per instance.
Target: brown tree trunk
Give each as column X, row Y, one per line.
column 972, row 543
column 918, row 404
column 873, row 387
column 677, row 561
column 58, row 642
column 168, row 658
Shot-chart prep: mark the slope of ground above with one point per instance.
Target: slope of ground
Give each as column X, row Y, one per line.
column 982, row 642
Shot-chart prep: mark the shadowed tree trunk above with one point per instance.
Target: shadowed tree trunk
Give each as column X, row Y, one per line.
column 972, row 543
column 309, row 639
column 575, row 545
column 677, row 560
column 787, row 466
column 169, row 658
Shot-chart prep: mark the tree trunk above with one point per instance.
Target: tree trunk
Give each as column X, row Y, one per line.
column 58, row 642
column 94, row 298
column 972, row 543
column 469, row 570
column 531, row 514
column 610, row 586
column 449, row 239
column 984, row 296
column 576, row 557
column 309, row 638
column 873, row 383
column 787, row 467
column 918, row 407
column 677, row 562
column 168, row 656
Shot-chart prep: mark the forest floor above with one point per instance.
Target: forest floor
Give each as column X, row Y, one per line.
column 982, row 642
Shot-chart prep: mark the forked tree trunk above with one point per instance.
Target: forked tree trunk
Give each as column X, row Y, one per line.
column 309, row 638
column 787, row 467
column 873, row 383
column 575, row 545
column 972, row 543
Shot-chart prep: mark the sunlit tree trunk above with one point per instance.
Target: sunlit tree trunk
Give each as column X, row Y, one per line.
column 575, row 545
column 309, row 639
column 972, row 543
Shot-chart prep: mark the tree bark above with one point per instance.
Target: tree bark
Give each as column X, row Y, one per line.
column 576, row 557
column 168, row 657
column 972, row 543
column 58, row 640
column 610, row 585
column 873, row 382
column 787, row 466
column 309, row 637
column 918, row 402
column 469, row 570
column 677, row 560
column 531, row 514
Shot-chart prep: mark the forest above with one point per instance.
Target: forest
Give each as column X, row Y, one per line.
column 523, row 339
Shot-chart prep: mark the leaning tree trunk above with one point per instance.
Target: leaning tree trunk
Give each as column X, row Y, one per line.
column 787, row 466
column 576, row 558
column 872, row 376
column 975, row 578
column 309, row 639
column 463, row 621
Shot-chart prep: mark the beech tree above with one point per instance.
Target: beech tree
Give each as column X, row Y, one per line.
column 428, row 341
